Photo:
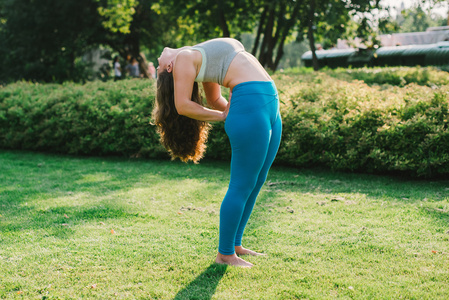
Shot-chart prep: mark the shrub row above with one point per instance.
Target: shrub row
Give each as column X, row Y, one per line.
column 327, row 122
column 92, row 119
column 397, row 76
column 352, row 126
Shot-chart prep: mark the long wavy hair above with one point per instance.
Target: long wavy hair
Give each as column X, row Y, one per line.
column 183, row 137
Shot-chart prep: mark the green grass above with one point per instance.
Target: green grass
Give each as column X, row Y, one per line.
column 326, row 235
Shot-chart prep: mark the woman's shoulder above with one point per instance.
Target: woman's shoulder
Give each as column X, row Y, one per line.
column 186, row 63
column 188, row 57
column 185, row 53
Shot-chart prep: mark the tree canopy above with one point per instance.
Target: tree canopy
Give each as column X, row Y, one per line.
column 43, row 39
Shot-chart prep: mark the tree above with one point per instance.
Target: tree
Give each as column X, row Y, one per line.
column 152, row 23
column 124, row 21
column 276, row 22
column 329, row 20
column 418, row 19
column 415, row 19
column 42, row 39
column 323, row 19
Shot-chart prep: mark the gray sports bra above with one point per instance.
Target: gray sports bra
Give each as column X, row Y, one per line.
column 217, row 56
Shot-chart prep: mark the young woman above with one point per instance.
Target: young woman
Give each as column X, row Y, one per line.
column 252, row 123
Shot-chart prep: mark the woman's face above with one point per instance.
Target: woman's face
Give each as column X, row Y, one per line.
column 165, row 61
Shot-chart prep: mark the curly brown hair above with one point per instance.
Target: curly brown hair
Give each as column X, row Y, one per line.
column 183, row 137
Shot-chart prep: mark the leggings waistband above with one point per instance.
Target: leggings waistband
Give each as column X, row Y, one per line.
column 255, row 87
column 252, row 95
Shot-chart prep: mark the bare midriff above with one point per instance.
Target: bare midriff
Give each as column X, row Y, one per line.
column 243, row 68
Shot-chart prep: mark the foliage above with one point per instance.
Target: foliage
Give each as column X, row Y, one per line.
column 397, row 76
column 44, row 40
column 345, row 125
column 94, row 119
column 210, row 18
column 117, row 14
column 356, row 127
column 41, row 40
column 418, row 19
column 414, row 19
column 337, row 18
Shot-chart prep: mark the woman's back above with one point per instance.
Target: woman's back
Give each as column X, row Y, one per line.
column 225, row 61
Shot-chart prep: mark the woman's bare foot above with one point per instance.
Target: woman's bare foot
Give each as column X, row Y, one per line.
column 243, row 251
column 232, row 260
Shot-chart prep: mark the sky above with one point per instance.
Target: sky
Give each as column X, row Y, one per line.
column 441, row 9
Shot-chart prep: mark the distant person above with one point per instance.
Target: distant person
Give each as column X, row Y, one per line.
column 133, row 68
column 253, row 124
column 151, row 70
column 117, row 69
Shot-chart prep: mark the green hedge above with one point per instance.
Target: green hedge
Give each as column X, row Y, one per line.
column 327, row 122
column 352, row 126
column 94, row 119
column 397, row 76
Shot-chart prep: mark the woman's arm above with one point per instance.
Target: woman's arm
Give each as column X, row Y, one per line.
column 214, row 97
column 184, row 74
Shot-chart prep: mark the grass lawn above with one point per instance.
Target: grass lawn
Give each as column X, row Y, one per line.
column 109, row 228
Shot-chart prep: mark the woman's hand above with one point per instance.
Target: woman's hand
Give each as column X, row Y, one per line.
column 225, row 112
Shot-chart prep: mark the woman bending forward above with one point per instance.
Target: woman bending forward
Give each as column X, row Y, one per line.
column 252, row 123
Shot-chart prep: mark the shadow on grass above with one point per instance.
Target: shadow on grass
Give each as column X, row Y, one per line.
column 57, row 221
column 203, row 287
column 372, row 186
column 28, row 177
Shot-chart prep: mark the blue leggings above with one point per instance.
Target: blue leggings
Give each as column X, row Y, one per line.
column 254, row 127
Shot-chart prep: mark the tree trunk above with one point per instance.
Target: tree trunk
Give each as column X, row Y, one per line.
column 259, row 30
column 272, row 41
column 276, row 29
column 286, row 30
column 310, row 35
column 280, row 24
column 267, row 38
column 222, row 20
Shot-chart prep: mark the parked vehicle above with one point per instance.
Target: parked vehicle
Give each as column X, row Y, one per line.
column 412, row 55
